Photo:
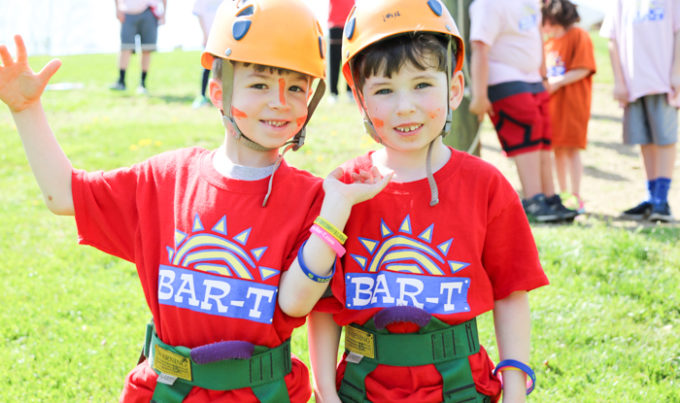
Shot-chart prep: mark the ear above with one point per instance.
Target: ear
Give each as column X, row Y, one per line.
column 457, row 90
column 215, row 92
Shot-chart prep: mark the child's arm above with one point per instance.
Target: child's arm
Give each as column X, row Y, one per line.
column 297, row 292
column 675, row 70
column 620, row 88
column 324, row 337
column 479, row 66
column 571, row 76
column 513, row 326
column 20, row 89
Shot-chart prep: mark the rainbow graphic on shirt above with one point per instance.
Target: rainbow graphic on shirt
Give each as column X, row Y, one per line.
column 405, row 268
column 213, row 273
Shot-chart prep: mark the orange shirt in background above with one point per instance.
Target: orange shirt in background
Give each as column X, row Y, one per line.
column 570, row 105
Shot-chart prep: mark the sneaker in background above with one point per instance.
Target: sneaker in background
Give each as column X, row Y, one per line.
column 555, row 204
column 537, row 209
column 661, row 212
column 639, row 212
column 117, row 86
column 200, row 101
column 573, row 202
column 141, row 90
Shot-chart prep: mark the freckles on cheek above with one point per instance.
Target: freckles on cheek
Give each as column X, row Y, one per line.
column 282, row 91
column 237, row 113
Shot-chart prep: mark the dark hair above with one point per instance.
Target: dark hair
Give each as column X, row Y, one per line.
column 389, row 55
column 560, row 12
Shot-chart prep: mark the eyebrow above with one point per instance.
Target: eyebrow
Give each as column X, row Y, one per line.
column 385, row 80
column 296, row 76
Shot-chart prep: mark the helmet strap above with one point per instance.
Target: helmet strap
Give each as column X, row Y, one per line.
column 227, row 117
column 449, row 75
column 368, row 125
column 434, row 192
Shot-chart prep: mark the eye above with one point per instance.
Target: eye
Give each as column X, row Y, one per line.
column 423, row 85
column 383, row 91
column 259, row 86
column 296, row 88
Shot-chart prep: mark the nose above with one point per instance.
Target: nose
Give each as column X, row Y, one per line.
column 279, row 98
column 405, row 103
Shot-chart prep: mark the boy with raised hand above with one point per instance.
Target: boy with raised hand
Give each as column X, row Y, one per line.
column 210, row 232
column 444, row 242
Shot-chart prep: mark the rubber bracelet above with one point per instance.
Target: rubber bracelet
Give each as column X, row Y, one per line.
column 331, row 229
column 310, row 274
column 517, row 365
column 328, row 239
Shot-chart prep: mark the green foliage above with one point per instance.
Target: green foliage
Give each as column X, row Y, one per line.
column 73, row 318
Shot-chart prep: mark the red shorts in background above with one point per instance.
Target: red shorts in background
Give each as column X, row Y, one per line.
column 522, row 122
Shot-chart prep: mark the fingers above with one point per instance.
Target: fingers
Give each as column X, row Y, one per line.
column 5, row 56
column 21, row 49
column 48, row 71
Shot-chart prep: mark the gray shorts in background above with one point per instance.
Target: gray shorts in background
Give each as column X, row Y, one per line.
column 143, row 24
column 650, row 120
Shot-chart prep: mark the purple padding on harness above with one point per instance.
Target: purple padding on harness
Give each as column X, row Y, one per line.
column 401, row 314
column 224, row 350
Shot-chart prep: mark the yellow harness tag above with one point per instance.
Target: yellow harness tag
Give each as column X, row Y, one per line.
column 359, row 341
column 168, row 362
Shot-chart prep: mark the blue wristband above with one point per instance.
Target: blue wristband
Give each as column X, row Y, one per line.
column 311, row 275
column 522, row 367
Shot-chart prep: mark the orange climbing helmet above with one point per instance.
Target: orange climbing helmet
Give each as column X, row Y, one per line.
column 278, row 33
column 371, row 21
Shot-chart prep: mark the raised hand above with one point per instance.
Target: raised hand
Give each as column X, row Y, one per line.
column 19, row 85
column 367, row 183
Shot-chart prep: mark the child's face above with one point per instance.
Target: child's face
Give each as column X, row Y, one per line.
column 269, row 106
column 408, row 110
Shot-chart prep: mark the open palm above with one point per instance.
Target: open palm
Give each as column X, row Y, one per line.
column 19, row 85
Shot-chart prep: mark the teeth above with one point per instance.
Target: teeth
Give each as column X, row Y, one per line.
column 406, row 129
column 275, row 123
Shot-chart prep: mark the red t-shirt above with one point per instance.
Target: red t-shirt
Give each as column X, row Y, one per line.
column 208, row 255
column 453, row 260
column 338, row 10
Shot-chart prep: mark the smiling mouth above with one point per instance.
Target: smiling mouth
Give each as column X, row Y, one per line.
column 275, row 123
column 408, row 129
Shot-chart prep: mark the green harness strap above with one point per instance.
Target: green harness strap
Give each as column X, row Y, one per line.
column 264, row 372
column 445, row 346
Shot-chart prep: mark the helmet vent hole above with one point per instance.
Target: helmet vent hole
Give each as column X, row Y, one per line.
column 349, row 28
column 250, row 10
column 435, row 6
column 321, row 47
column 240, row 29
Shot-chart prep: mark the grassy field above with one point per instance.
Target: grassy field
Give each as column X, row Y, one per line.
column 607, row 329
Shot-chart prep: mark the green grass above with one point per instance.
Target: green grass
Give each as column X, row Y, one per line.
column 72, row 318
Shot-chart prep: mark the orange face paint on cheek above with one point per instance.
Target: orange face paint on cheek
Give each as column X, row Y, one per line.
column 301, row 120
column 378, row 123
column 282, row 91
column 237, row 113
column 435, row 114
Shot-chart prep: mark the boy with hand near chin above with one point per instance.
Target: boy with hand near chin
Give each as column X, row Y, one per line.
column 211, row 232
column 444, row 242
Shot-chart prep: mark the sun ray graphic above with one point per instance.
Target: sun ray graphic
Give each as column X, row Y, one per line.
column 400, row 251
column 209, row 250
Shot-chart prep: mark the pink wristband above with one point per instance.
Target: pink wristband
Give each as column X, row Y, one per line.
column 328, row 239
